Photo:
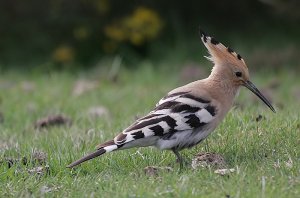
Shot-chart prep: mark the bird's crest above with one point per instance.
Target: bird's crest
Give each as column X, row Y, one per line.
column 220, row 55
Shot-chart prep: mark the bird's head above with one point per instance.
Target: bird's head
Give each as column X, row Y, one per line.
column 229, row 66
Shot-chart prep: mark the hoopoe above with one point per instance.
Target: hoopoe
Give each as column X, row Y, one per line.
column 188, row 114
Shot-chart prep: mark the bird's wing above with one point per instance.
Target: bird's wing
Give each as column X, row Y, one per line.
column 175, row 112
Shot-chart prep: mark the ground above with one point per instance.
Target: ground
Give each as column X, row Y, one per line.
column 262, row 147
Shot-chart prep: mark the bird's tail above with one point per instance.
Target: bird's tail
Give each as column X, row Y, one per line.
column 101, row 149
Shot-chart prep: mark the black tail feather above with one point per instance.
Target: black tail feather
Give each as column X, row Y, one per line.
column 87, row 157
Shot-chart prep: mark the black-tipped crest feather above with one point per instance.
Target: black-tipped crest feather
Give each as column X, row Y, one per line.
column 217, row 50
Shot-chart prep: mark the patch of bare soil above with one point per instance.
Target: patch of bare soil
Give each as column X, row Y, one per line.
column 204, row 160
column 53, row 120
column 154, row 171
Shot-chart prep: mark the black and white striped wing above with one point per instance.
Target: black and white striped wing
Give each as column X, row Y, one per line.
column 176, row 112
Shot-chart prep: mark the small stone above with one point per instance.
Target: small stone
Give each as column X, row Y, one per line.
column 47, row 189
column 39, row 170
column 224, row 171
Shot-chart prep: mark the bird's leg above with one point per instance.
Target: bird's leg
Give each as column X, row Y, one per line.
column 178, row 158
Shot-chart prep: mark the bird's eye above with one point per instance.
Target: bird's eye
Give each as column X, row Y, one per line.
column 238, row 74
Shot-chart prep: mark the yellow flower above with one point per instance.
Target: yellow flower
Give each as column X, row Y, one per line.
column 63, row 54
column 115, row 33
column 147, row 21
column 142, row 25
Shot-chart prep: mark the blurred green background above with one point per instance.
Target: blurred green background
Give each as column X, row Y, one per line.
column 74, row 73
column 78, row 34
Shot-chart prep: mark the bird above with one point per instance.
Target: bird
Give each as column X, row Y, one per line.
column 188, row 114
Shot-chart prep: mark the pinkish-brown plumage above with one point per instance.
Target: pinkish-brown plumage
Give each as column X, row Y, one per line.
column 188, row 114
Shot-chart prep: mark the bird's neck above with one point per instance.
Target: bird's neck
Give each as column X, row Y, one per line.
column 222, row 81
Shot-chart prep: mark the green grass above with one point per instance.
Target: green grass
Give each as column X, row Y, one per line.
column 259, row 151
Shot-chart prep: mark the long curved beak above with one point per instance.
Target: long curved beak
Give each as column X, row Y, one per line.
column 252, row 88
